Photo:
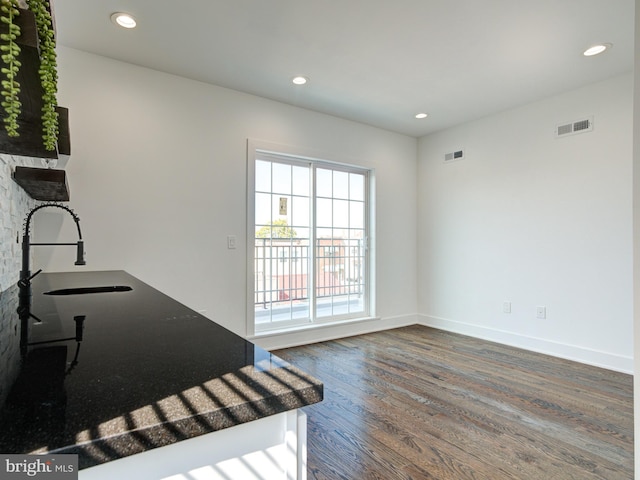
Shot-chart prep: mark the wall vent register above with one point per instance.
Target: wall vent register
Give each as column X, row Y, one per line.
column 578, row 126
column 455, row 155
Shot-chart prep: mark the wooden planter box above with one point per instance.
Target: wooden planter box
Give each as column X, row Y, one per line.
column 30, row 143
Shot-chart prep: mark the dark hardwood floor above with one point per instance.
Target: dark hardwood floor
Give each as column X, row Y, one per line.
column 420, row 403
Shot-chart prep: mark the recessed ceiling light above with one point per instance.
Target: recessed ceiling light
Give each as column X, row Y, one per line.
column 421, row 115
column 299, row 80
column 596, row 49
column 123, row 20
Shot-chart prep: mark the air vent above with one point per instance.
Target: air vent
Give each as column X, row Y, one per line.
column 578, row 126
column 457, row 154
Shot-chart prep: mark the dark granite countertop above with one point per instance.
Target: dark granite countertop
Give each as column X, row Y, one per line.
column 139, row 371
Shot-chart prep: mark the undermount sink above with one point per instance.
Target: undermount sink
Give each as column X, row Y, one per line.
column 85, row 290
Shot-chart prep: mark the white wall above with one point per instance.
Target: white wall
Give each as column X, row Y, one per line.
column 158, row 177
column 536, row 221
column 636, row 239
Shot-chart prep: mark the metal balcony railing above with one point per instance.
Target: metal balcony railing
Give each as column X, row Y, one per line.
column 282, row 269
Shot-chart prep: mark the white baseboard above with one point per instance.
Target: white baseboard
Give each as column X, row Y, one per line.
column 323, row 333
column 576, row 353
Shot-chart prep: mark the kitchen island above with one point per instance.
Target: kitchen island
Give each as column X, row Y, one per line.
column 140, row 386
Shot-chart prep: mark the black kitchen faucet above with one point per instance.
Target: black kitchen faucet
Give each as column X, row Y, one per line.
column 25, row 274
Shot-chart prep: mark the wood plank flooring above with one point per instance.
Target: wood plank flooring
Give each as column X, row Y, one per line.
column 420, row 403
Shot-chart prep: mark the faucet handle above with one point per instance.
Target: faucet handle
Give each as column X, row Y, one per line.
column 80, row 254
column 25, row 282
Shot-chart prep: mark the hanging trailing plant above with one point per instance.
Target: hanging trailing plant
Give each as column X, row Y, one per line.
column 10, row 51
column 48, row 71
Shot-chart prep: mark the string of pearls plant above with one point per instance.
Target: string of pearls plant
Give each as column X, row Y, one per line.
column 10, row 51
column 48, row 69
column 48, row 72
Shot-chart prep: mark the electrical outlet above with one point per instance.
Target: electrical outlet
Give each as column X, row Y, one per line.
column 506, row 307
column 541, row 312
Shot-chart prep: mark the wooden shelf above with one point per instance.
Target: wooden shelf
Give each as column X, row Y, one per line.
column 43, row 183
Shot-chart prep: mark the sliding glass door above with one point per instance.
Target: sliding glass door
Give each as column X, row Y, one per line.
column 310, row 246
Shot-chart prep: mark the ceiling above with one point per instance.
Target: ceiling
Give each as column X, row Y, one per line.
column 377, row 62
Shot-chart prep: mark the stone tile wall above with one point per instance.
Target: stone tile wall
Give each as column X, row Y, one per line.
column 14, row 207
column 9, row 340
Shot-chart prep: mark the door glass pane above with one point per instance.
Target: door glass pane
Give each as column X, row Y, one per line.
column 263, row 209
column 340, row 214
column 263, row 176
column 281, row 178
column 339, row 276
column 340, row 184
column 281, row 209
column 324, row 184
column 301, row 181
column 300, row 212
column 281, row 258
column 356, row 214
column 356, row 186
column 324, row 212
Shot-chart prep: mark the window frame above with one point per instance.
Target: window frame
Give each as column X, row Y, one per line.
column 285, row 154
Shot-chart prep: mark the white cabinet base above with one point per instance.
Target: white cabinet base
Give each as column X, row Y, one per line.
column 272, row 448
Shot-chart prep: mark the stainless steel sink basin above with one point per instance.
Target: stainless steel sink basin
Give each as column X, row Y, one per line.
column 85, row 290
